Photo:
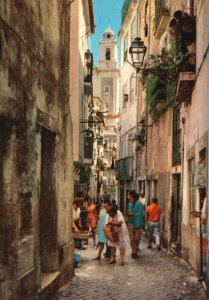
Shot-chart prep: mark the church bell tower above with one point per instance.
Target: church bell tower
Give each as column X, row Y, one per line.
column 108, row 51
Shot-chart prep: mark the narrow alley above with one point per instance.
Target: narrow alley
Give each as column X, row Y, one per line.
column 153, row 275
column 104, row 122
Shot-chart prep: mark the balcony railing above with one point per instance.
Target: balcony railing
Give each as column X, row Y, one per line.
column 124, row 168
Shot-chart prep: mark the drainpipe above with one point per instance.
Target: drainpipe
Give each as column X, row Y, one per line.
column 137, row 109
column 183, row 120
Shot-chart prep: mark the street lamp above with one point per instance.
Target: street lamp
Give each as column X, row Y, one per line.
column 137, row 52
column 89, row 61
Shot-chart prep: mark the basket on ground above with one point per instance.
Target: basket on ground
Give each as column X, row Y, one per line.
column 81, row 235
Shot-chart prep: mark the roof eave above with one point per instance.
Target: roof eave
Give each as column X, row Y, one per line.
column 91, row 14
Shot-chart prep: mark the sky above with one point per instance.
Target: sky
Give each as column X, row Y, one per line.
column 105, row 11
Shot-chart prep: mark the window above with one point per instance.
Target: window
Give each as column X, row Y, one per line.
column 107, row 89
column 191, row 191
column 148, row 191
column 176, row 136
column 134, row 29
column 105, row 144
column 139, row 24
column 154, row 188
column 83, row 109
column 142, row 186
column 122, row 150
column 200, row 179
column 132, row 87
column 191, row 172
column 125, row 54
column 125, row 96
column 130, row 146
column 145, row 19
column 108, row 54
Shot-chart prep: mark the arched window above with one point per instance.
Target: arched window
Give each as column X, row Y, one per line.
column 107, row 55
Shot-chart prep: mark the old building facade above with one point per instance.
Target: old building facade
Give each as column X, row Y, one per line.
column 169, row 134
column 195, row 153
column 81, row 90
column 36, row 251
column 127, row 126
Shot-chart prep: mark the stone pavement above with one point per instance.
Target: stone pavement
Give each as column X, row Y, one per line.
column 154, row 275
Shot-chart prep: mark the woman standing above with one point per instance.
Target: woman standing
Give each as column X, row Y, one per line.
column 91, row 218
column 102, row 240
column 135, row 221
column 76, row 224
column 115, row 219
column 76, row 214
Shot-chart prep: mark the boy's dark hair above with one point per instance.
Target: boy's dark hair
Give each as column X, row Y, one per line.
column 79, row 194
column 112, row 209
column 106, row 201
column 76, row 202
column 134, row 195
column 88, row 199
column 154, row 200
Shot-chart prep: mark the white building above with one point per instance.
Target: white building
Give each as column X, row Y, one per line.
column 126, row 160
column 106, row 86
column 82, row 26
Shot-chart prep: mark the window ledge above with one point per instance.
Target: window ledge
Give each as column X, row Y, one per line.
column 185, row 86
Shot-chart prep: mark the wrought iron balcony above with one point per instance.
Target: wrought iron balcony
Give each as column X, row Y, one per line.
column 185, row 86
column 124, row 168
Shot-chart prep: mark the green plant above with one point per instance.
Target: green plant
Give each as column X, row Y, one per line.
column 159, row 89
column 161, row 83
column 162, row 75
column 174, row 47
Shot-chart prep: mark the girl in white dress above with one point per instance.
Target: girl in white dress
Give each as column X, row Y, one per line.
column 115, row 218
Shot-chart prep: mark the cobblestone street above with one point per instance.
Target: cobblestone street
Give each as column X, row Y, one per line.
column 153, row 275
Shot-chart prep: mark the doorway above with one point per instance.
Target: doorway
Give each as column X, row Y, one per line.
column 122, row 200
column 6, row 218
column 176, row 214
column 202, row 188
column 48, row 208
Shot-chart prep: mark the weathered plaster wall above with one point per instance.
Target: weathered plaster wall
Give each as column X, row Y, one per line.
column 34, row 63
column 196, row 135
